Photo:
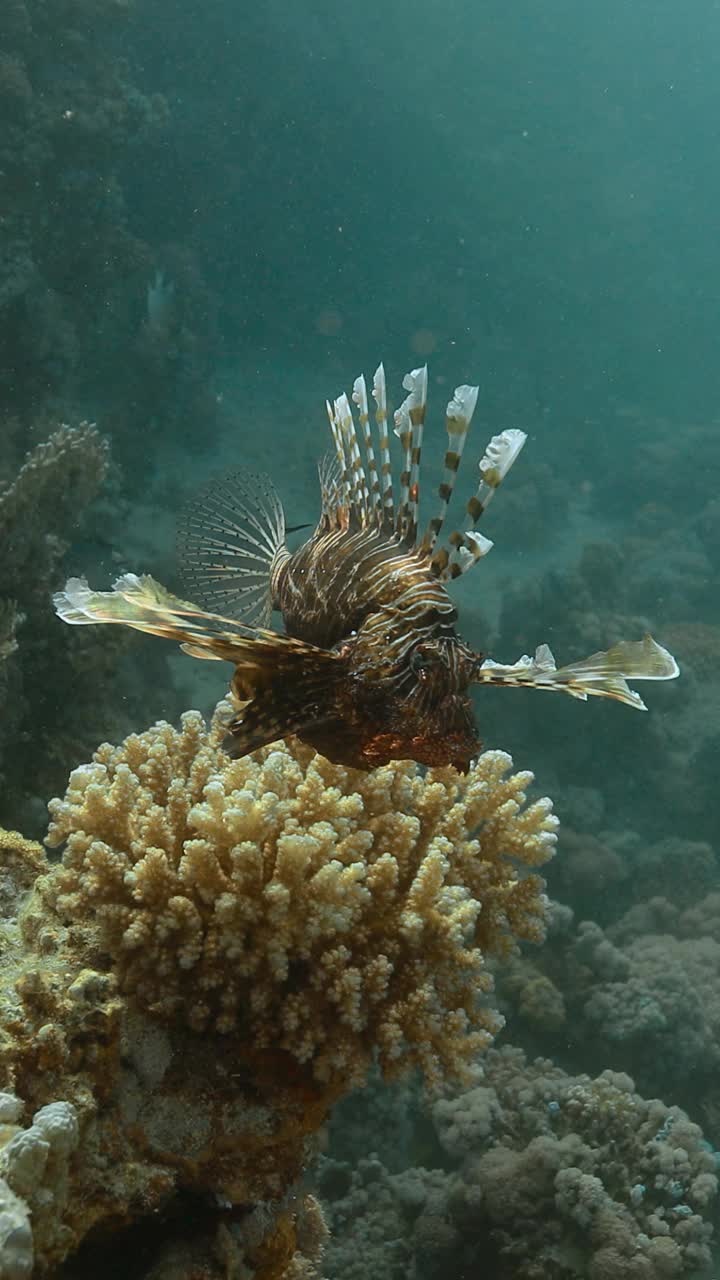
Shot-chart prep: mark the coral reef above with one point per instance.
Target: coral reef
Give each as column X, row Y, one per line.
column 168, row 1050
column 643, row 992
column 78, row 135
column 40, row 511
column 59, row 693
column 544, row 1175
column 70, row 112
column 221, row 951
column 622, row 588
column 56, row 481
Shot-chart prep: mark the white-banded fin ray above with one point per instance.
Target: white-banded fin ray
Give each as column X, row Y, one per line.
column 468, row 546
column 381, row 418
column 409, row 424
column 230, row 538
column 330, row 477
column 458, row 416
column 345, row 485
column 351, row 449
column 360, row 398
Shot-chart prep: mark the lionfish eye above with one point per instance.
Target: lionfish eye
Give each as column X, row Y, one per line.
column 430, row 616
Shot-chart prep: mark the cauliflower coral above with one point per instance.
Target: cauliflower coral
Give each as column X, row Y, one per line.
column 307, row 907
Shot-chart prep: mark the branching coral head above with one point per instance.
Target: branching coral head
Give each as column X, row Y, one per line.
column 303, row 906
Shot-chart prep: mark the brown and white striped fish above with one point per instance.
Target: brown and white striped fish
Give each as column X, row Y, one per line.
column 369, row 667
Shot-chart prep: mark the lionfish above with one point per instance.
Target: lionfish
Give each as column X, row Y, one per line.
column 369, row 667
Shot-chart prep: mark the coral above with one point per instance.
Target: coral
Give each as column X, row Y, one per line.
column 592, row 1155
column 10, row 619
column 697, row 645
column 35, row 1165
column 389, row 1110
column 664, row 1007
column 534, row 997
column 16, row 1251
column 71, row 115
column 323, row 911
column 658, row 571
column 79, row 248
column 121, row 1112
column 49, row 678
column 39, row 512
column 589, row 872
column 642, row 993
column 213, row 964
column 605, row 875
column 545, row 1175
column 57, row 480
column 370, row 1214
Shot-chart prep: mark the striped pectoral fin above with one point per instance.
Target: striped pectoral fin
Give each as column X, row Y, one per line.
column 294, row 695
column 134, row 601
column 602, row 675
column 287, row 681
column 145, row 605
column 230, row 544
column 262, row 721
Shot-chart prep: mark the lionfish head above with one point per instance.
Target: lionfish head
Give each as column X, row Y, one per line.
column 443, row 665
column 442, row 670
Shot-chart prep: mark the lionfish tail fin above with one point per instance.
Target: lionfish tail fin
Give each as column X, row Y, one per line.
column 230, row 545
column 602, row 675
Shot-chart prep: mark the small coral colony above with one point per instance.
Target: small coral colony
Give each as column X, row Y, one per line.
column 369, row 667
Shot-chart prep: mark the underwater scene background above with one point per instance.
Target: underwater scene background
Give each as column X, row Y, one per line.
column 213, row 217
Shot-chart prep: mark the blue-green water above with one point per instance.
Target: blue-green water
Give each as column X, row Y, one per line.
column 524, row 195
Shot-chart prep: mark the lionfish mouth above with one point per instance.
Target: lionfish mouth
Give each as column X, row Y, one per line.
column 457, row 749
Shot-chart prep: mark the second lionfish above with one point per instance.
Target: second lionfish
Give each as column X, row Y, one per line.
column 369, row 667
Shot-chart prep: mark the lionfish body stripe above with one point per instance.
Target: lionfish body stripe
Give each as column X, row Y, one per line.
column 369, row 666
